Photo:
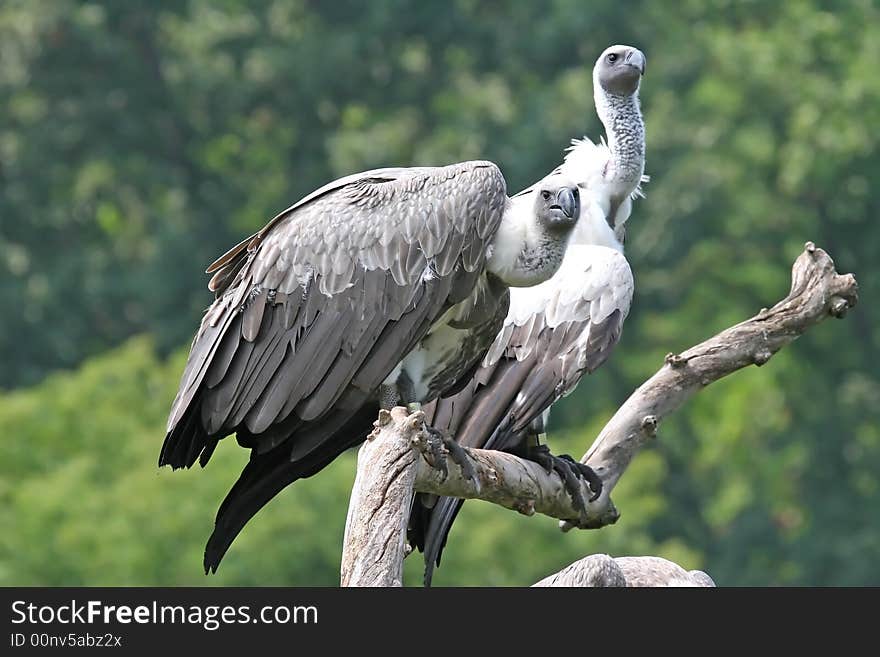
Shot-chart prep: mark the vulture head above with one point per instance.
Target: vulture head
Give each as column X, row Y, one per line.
column 557, row 203
column 619, row 70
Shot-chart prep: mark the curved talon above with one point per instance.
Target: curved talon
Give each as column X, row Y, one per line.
column 594, row 481
column 458, row 455
column 572, row 472
column 589, row 475
column 434, row 454
column 572, row 485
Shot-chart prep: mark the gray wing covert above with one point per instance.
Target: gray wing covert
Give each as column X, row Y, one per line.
column 315, row 310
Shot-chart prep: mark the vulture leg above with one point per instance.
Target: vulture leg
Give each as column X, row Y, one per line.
column 437, row 440
column 571, row 471
column 456, row 451
column 388, row 397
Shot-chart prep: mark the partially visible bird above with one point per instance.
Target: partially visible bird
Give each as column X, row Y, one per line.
column 601, row 570
column 381, row 287
column 560, row 330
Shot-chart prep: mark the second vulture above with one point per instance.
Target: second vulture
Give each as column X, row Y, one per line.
column 560, row 330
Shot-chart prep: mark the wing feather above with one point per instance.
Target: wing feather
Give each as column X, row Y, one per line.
column 252, row 318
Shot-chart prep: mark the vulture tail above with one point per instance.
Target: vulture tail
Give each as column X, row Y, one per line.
column 269, row 473
column 438, row 523
column 262, row 478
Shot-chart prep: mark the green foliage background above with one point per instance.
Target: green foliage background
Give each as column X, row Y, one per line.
column 138, row 140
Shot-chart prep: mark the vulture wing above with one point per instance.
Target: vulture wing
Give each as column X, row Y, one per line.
column 314, row 312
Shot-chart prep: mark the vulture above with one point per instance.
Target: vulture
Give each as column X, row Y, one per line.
column 560, row 330
column 382, row 287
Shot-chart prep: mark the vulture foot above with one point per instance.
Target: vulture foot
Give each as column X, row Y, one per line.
column 456, row 452
column 571, row 471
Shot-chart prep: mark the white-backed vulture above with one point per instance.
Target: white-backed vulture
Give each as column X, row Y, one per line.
column 560, row 330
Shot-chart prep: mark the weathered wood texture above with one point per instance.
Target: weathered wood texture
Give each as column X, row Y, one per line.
column 397, row 458
column 375, row 530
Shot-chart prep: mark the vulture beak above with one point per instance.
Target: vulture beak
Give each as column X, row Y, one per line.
column 636, row 59
column 569, row 202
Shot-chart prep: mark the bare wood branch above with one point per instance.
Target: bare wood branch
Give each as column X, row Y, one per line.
column 398, row 458
column 602, row 570
column 503, row 479
column 373, row 547
column 817, row 292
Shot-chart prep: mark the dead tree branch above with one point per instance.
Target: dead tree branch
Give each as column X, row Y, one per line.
column 396, row 459
column 817, row 292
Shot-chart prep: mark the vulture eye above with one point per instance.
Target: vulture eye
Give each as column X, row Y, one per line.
column 612, row 57
column 545, row 195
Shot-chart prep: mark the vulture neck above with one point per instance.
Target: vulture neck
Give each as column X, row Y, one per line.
column 523, row 252
column 625, row 132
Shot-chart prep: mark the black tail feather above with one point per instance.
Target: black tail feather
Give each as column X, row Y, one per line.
column 267, row 474
column 262, row 478
column 440, row 522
